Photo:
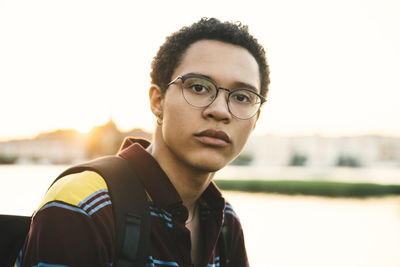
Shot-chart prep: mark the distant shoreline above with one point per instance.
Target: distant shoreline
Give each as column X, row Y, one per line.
column 313, row 188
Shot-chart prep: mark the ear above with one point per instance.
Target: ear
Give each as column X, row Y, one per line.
column 257, row 116
column 156, row 100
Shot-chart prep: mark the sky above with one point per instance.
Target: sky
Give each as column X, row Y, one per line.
column 76, row 64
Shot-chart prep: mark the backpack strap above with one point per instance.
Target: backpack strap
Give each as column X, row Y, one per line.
column 224, row 243
column 130, row 208
column 13, row 230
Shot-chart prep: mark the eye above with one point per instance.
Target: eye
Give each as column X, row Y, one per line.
column 242, row 97
column 199, row 88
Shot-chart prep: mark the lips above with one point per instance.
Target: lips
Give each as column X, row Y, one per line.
column 213, row 138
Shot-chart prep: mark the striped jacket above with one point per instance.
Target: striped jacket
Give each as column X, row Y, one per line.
column 74, row 223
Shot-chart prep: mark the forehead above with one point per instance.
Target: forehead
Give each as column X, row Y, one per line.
column 225, row 63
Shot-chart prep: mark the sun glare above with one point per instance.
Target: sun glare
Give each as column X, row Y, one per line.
column 84, row 129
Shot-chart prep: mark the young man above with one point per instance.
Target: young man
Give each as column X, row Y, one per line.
column 209, row 81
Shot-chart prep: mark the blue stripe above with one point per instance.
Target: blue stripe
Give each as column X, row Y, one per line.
column 153, row 208
column 153, row 213
column 42, row 264
column 231, row 210
column 18, row 260
column 232, row 213
column 165, row 217
column 166, row 212
column 160, row 215
column 168, row 263
column 64, row 206
column 88, row 206
column 91, row 196
column 162, row 210
column 216, row 264
column 99, row 207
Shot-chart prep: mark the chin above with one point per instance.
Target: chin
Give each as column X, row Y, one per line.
column 210, row 165
column 206, row 160
column 208, row 168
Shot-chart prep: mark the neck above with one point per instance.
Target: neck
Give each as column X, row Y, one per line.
column 189, row 182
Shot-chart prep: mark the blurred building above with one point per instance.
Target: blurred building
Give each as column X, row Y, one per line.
column 67, row 146
column 59, row 147
column 318, row 151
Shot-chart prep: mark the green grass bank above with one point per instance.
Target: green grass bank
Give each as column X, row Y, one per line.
column 314, row 188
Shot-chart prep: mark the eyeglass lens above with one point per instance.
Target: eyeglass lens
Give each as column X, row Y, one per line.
column 200, row 92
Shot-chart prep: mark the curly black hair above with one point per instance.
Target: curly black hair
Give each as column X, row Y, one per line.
column 170, row 53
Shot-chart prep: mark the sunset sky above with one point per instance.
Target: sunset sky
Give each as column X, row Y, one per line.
column 335, row 65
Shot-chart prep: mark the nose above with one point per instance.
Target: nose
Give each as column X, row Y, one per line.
column 219, row 109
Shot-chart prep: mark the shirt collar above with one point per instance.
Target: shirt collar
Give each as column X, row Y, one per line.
column 156, row 182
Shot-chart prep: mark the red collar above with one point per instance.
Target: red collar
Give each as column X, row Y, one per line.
column 156, row 182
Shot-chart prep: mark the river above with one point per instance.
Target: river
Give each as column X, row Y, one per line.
column 280, row 231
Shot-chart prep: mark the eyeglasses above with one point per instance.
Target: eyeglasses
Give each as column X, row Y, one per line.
column 200, row 92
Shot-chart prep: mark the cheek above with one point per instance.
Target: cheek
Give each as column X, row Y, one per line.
column 178, row 119
column 243, row 133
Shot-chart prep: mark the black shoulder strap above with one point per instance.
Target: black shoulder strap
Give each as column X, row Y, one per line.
column 13, row 230
column 130, row 207
column 224, row 243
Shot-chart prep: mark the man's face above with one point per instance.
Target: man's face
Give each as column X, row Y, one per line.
column 197, row 137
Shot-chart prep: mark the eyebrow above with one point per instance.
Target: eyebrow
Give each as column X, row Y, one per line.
column 246, row 86
column 237, row 84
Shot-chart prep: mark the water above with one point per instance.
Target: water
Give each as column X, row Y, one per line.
column 283, row 231
column 341, row 174
column 23, row 186
column 280, row 231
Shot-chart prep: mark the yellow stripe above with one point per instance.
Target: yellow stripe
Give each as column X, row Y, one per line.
column 74, row 188
column 148, row 196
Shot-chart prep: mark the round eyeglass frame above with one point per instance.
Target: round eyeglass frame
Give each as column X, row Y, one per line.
column 218, row 88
